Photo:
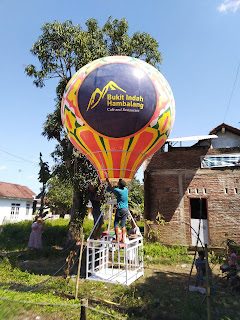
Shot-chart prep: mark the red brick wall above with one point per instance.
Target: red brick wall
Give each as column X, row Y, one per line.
column 167, row 181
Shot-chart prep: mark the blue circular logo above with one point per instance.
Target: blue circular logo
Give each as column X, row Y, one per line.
column 117, row 99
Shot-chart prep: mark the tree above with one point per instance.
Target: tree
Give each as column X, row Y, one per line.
column 59, row 195
column 62, row 49
column 43, row 176
column 136, row 197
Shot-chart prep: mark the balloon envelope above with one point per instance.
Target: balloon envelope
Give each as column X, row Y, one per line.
column 118, row 111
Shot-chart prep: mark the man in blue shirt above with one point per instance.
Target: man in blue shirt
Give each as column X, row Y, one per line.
column 122, row 210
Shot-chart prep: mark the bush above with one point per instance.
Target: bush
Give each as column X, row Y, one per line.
column 55, row 232
column 158, row 253
column 141, row 226
column 15, row 236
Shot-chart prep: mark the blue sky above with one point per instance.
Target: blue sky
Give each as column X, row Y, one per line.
column 199, row 42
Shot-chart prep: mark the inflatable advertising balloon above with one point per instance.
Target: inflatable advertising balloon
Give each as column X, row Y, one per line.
column 118, row 111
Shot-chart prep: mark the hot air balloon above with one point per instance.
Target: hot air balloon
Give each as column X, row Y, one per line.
column 118, row 111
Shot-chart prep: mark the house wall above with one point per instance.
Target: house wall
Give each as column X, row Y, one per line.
column 172, row 178
column 5, row 210
column 226, row 140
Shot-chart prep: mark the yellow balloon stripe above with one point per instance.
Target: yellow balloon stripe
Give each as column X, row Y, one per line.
column 69, row 119
column 107, row 155
column 132, row 174
column 134, row 142
column 72, row 94
column 91, row 155
column 155, row 134
column 71, row 81
column 101, row 173
column 162, row 120
column 124, row 154
column 75, row 134
column 139, row 159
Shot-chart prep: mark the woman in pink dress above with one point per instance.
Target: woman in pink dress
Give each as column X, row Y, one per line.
column 35, row 239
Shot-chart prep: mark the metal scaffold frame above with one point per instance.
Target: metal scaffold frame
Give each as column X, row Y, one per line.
column 113, row 262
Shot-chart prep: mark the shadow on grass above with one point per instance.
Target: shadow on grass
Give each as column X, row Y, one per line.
column 50, row 261
column 159, row 295
column 164, row 297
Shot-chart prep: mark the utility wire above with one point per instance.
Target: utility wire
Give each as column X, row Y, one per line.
column 13, row 155
column 234, row 84
column 60, row 305
column 22, row 159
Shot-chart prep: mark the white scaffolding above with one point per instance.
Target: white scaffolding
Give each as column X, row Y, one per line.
column 114, row 262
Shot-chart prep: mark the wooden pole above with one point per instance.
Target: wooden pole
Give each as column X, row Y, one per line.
column 79, row 268
column 208, row 284
column 84, row 308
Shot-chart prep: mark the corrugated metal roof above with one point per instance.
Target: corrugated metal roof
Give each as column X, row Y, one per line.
column 193, row 138
column 15, row 191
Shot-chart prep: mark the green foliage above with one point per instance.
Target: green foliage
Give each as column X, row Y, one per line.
column 216, row 257
column 220, row 257
column 63, row 48
column 44, row 172
column 153, row 234
column 55, row 233
column 88, row 226
column 141, row 45
column 43, row 176
column 233, row 245
column 59, row 195
column 159, row 253
column 136, row 197
column 15, row 236
column 141, row 225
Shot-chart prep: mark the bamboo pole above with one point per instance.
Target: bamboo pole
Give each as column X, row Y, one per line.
column 79, row 268
column 208, row 284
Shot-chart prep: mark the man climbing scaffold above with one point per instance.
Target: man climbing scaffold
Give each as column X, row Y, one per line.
column 113, row 261
column 122, row 207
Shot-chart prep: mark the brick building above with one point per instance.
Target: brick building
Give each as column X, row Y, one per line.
column 196, row 188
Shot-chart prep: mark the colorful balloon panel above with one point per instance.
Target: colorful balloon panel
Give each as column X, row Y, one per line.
column 118, row 111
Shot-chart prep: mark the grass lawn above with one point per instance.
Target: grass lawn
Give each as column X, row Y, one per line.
column 26, row 277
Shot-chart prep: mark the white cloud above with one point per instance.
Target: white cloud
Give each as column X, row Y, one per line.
column 232, row 5
column 3, row 168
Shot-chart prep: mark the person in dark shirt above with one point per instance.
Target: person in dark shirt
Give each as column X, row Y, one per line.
column 95, row 199
column 201, row 268
column 122, row 210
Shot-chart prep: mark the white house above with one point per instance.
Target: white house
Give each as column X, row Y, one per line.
column 16, row 202
column 228, row 137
